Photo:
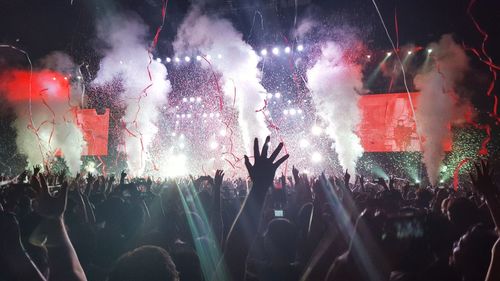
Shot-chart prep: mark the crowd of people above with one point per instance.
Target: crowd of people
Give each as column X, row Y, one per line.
column 266, row 227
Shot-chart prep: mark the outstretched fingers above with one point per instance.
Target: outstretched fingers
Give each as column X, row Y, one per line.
column 256, row 152
column 276, row 152
column 265, row 147
column 280, row 161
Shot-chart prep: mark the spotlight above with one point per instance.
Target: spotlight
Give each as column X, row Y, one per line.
column 441, row 181
column 188, row 115
column 191, row 99
column 269, row 96
column 205, row 115
column 184, row 99
column 389, row 54
column 158, row 60
column 223, row 133
column 213, row 145
column 263, row 52
column 300, row 48
column 316, row 157
column 409, row 52
column 429, row 51
column 183, row 115
column 211, row 115
column 198, row 58
column 285, row 111
column 276, row 51
column 303, row 143
column 287, row 50
column 78, row 77
column 219, row 56
column 187, row 59
column 299, row 111
column 177, row 59
column 168, row 59
column 198, row 99
column 315, row 130
column 208, row 57
column 368, row 56
column 417, row 181
column 53, row 78
column 277, row 95
column 292, row 111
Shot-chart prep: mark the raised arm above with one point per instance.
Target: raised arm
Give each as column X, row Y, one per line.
column 12, row 253
column 245, row 226
column 216, row 216
column 63, row 261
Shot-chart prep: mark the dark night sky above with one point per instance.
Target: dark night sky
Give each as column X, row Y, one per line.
column 43, row 26
column 46, row 25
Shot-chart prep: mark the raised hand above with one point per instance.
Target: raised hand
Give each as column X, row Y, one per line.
column 295, row 173
column 219, row 177
column 49, row 206
column 263, row 170
column 36, row 169
column 347, row 177
column 483, row 181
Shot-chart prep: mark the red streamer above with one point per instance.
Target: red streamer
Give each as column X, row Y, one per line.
column 456, row 172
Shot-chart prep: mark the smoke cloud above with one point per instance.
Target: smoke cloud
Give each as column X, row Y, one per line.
column 438, row 105
column 237, row 63
column 126, row 58
column 333, row 83
column 46, row 126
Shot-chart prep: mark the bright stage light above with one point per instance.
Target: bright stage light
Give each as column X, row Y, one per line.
column 191, row 99
column 277, row 95
column 182, row 145
column 90, row 167
column 174, row 166
column 223, row 133
column 410, row 52
column 263, row 52
column 441, row 181
column 187, row 59
column 205, row 115
column 276, row 51
column 389, row 54
column 316, row 157
column 198, row 58
column 429, row 51
column 168, row 60
column 177, row 59
column 188, row 115
column 198, row 99
column 368, row 56
column 269, row 96
column 300, row 48
column 211, row 115
column 158, row 60
column 299, row 111
column 287, row 50
column 315, row 130
column 292, row 111
column 184, row 99
column 219, row 56
column 183, row 115
column 208, row 57
column 213, row 145
column 285, row 111
column 303, row 143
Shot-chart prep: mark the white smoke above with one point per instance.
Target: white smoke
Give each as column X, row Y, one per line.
column 333, row 83
column 438, row 105
column 54, row 121
column 237, row 64
column 126, row 57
